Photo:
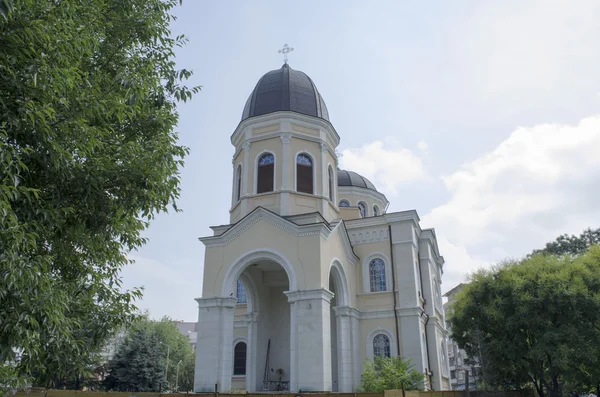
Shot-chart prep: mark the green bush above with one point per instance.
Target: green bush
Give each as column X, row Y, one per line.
column 385, row 373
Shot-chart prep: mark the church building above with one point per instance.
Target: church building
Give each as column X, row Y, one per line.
column 312, row 276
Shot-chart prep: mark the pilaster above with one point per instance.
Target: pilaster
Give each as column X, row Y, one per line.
column 286, row 138
column 324, row 180
column 251, row 351
column 310, row 343
column 214, row 352
column 345, row 356
column 245, row 182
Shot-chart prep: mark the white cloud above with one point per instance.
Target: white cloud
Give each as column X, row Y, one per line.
column 540, row 182
column 387, row 167
column 423, row 146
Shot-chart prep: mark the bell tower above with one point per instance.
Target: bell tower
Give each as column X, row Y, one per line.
column 285, row 158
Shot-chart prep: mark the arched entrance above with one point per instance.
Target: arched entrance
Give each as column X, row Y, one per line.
column 341, row 333
column 265, row 322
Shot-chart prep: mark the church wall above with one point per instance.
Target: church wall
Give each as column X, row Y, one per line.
column 331, row 249
column 272, row 145
column 366, row 252
column 300, row 251
column 368, row 329
column 375, row 301
column 354, row 195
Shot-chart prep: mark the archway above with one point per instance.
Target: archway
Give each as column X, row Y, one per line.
column 265, row 322
column 339, row 326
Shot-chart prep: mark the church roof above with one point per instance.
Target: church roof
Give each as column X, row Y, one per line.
column 285, row 89
column 351, row 178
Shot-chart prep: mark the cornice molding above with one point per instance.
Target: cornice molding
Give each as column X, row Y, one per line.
column 285, row 117
column 363, row 192
column 260, row 214
column 391, row 217
column 309, row 294
column 216, row 301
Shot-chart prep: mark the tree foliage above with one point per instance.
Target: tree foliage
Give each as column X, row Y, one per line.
column 176, row 345
column 88, row 156
column 539, row 319
column 130, row 359
column 139, row 363
column 572, row 245
column 395, row 373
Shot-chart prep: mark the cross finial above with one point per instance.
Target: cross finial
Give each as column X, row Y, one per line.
column 286, row 48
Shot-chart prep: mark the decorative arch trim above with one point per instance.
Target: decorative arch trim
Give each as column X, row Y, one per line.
column 314, row 170
column 340, row 280
column 239, row 265
column 371, row 337
column 258, row 156
column 251, row 293
column 365, row 206
column 366, row 275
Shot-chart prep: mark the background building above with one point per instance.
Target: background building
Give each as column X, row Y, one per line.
column 461, row 365
column 188, row 329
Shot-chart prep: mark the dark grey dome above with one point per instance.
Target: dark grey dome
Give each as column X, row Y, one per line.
column 285, row 89
column 351, row 178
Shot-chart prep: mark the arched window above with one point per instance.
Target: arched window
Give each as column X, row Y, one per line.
column 344, row 203
column 375, row 211
column 304, row 174
column 238, row 183
column 241, row 293
column 239, row 359
column 266, row 173
column 377, row 275
column 381, row 346
column 331, row 185
column 363, row 209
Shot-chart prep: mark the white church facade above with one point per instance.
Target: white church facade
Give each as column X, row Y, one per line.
column 311, row 276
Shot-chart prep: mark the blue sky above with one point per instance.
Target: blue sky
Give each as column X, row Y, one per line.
column 482, row 116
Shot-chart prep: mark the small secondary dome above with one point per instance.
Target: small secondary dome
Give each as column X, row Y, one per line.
column 351, row 178
column 285, row 89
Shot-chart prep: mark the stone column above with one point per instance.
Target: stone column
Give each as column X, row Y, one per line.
column 356, row 342
column 310, row 344
column 251, row 351
column 214, row 350
column 344, row 349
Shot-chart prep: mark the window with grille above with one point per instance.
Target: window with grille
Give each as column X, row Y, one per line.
column 363, row 210
column 241, row 293
column 375, row 211
column 239, row 359
column 377, row 275
column 266, row 173
column 344, row 203
column 304, row 174
column 238, row 182
column 381, row 346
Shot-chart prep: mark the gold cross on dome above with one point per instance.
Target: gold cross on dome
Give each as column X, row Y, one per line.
column 286, row 48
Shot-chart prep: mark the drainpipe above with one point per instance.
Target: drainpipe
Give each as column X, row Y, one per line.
column 429, row 373
column 394, row 289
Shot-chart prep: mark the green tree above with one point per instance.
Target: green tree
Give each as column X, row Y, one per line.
column 139, row 363
column 572, row 245
column 539, row 319
column 88, row 156
column 174, row 345
column 186, row 374
column 385, row 373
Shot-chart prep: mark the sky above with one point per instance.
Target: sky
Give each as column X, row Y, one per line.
column 482, row 116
